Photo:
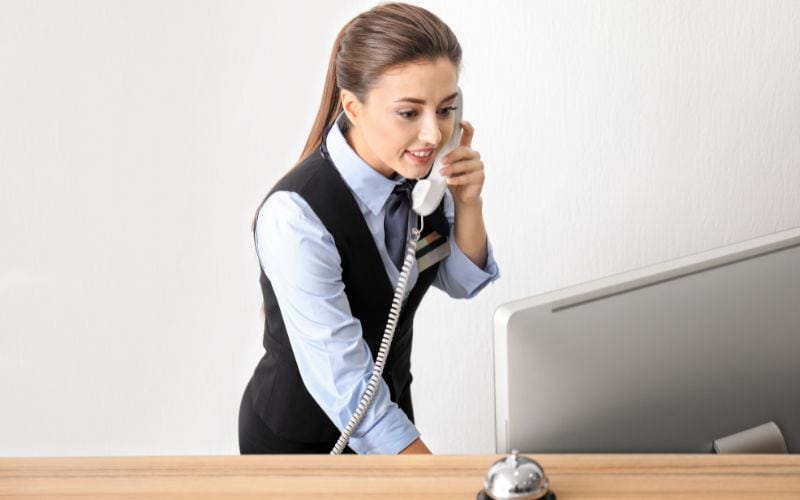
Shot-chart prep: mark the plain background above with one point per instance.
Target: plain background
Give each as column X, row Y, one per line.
column 138, row 138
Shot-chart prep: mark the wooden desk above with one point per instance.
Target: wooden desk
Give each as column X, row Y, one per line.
column 406, row 476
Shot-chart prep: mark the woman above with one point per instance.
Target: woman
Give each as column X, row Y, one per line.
column 330, row 257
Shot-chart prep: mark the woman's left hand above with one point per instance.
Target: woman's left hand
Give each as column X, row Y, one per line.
column 464, row 169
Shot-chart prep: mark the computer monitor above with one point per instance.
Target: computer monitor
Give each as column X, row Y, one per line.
column 666, row 358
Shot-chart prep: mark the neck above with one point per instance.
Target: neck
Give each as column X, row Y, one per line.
column 356, row 143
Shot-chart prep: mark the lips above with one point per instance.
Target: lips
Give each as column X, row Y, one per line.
column 417, row 160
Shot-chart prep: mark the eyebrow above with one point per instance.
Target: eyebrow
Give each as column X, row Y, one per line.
column 422, row 101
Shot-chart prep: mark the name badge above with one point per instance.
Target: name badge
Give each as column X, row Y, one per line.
column 431, row 249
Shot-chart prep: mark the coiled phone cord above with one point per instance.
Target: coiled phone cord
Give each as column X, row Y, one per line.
column 386, row 342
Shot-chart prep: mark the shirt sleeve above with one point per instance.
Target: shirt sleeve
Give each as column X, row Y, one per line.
column 458, row 276
column 299, row 257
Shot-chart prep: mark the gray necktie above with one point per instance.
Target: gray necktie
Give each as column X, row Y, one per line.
column 395, row 222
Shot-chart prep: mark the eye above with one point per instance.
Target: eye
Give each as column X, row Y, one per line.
column 448, row 110
column 444, row 112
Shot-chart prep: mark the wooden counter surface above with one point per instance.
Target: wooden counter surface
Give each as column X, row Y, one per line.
column 395, row 476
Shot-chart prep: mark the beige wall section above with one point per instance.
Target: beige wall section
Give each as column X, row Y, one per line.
column 136, row 140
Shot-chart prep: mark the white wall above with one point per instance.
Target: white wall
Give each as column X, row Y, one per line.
column 137, row 138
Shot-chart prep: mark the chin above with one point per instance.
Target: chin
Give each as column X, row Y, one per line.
column 413, row 171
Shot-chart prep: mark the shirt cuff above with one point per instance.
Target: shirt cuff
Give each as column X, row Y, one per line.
column 471, row 277
column 389, row 436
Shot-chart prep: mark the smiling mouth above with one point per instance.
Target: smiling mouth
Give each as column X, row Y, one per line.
column 419, row 159
column 420, row 154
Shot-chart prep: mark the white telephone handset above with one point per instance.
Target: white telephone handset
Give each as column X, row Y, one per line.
column 426, row 196
column 428, row 192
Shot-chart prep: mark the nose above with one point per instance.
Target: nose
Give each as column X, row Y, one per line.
column 430, row 132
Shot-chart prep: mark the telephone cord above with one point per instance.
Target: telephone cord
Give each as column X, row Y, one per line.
column 386, row 342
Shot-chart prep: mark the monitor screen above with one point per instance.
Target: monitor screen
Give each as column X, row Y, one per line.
column 666, row 359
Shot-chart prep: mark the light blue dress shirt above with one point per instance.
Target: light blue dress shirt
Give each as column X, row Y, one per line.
column 299, row 257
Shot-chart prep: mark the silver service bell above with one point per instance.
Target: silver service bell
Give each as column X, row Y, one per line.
column 518, row 478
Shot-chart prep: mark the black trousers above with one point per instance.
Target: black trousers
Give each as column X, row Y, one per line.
column 256, row 438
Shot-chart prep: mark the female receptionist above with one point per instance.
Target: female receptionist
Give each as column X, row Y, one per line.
column 332, row 233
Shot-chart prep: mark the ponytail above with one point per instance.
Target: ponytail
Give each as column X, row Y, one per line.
column 329, row 109
column 331, row 105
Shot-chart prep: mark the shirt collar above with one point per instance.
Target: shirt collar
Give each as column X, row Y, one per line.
column 371, row 187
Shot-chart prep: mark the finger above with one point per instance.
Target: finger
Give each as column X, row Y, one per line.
column 459, row 154
column 475, row 177
column 467, row 132
column 461, row 167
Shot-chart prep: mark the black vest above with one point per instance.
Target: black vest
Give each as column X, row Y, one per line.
column 279, row 396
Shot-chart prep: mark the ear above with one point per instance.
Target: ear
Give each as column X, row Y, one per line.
column 351, row 106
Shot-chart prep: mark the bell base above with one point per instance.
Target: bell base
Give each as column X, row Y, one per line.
column 547, row 496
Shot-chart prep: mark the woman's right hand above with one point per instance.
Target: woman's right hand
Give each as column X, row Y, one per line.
column 416, row 447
